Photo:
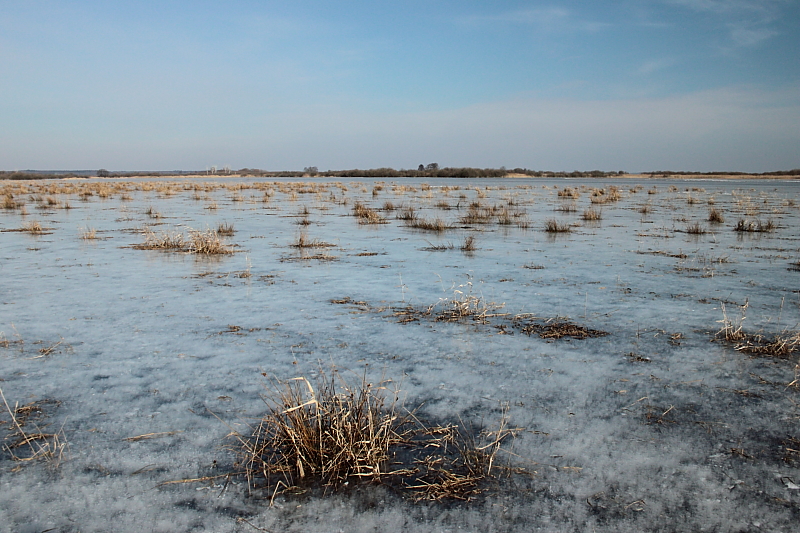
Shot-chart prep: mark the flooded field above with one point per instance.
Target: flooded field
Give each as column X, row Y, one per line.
column 642, row 335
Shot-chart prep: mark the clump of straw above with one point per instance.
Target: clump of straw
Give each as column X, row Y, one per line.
column 330, row 433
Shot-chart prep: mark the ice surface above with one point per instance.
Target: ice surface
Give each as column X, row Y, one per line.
column 695, row 439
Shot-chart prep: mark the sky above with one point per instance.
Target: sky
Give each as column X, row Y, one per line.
column 631, row 85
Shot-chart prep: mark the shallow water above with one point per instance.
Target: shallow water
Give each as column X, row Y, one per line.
column 652, row 427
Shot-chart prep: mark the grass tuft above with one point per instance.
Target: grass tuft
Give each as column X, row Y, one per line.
column 554, row 226
column 332, row 432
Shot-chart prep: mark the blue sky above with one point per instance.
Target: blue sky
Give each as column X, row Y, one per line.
column 614, row 85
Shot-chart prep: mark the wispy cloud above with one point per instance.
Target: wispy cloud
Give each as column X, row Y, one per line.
column 749, row 22
column 655, row 65
column 550, row 19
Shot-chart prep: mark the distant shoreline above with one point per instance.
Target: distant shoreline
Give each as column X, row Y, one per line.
column 461, row 173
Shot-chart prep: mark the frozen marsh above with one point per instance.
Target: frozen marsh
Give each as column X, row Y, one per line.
column 141, row 321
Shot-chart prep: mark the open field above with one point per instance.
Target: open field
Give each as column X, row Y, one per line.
column 623, row 353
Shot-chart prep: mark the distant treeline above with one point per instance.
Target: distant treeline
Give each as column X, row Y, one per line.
column 666, row 173
column 424, row 171
column 431, row 171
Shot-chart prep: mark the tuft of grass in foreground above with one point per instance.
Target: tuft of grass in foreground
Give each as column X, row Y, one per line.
column 28, row 444
column 332, row 432
column 782, row 345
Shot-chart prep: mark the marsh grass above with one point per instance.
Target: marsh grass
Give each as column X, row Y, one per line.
column 34, row 227
column 436, row 224
column 338, row 430
column 367, row 215
column 554, row 226
column 695, row 229
column 592, row 214
column 715, row 216
column 202, row 242
column 89, row 234
column 782, row 345
column 469, row 244
column 25, row 440
column 225, row 229
column 304, row 241
column 206, row 242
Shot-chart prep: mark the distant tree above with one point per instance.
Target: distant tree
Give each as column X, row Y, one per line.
column 103, row 173
column 312, row 171
column 432, row 166
column 421, row 168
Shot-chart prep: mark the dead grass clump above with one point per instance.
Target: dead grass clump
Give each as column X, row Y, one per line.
column 25, row 440
column 34, row 227
column 569, row 192
column 754, row 226
column 695, row 229
column 567, row 208
column 303, row 241
column 225, row 229
column 555, row 329
column 89, row 234
column 367, row 215
column 782, row 345
column 715, row 216
column 592, row 214
column 9, row 202
column 331, row 433
column 554, row 226
column 407, row 214
column 435, row 224
column 469, row 244
column 207, row 243
column 166, row 240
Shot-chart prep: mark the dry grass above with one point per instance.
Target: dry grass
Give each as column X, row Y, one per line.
column 331, row 432
column 781, row 345
column 695, row 229
column 435, row 224
column 715, row 216
column 34, row 227
column 367, row 215
column 303, row 241
column 554, row 226
column 469, row 244
column 592, row 214
column 28, row 444
column 207, row 243
column 225, row 229
column 89, row 234
column 165, row 240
